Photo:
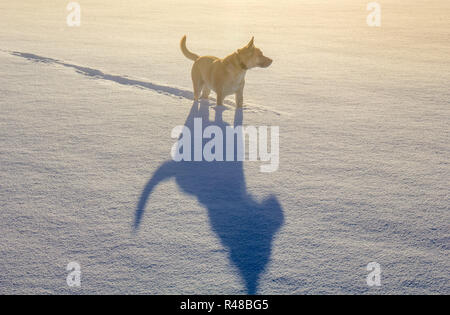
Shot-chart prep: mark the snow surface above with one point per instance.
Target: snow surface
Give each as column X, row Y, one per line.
column 85, row 120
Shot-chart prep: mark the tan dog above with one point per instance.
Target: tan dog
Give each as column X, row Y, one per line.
column 224, row 76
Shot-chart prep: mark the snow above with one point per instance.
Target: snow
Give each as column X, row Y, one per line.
column 86, row 115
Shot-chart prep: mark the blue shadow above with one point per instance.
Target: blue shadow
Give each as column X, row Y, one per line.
column 244, row 226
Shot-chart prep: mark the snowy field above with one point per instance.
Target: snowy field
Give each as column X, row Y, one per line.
column 86, row 115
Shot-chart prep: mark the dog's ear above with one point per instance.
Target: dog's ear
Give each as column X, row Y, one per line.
column 251, row 44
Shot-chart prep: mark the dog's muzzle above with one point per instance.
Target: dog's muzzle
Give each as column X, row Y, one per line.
column 266, row 63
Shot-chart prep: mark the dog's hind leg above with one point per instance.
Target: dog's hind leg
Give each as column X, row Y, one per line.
column 220, row 98
column 197, row 82
column 206, row 92
column 198, row 85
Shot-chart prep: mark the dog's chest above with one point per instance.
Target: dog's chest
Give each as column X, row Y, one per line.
column 234, row 84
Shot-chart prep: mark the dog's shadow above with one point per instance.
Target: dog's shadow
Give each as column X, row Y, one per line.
column 244, row 226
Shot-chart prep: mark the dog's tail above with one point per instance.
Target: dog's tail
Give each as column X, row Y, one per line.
column 186, row 51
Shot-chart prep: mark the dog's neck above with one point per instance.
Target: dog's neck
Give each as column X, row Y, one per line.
column 241, row 63
column 234, row 60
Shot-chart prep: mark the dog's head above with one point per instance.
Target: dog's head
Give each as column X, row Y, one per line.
column 252, row 56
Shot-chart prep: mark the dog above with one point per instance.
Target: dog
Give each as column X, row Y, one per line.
column 224, row 76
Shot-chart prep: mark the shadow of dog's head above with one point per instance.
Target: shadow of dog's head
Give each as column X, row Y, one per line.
column 253, row 57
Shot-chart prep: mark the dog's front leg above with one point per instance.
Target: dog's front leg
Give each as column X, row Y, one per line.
column 240, row 96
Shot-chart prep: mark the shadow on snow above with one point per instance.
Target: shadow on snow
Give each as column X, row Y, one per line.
column 244, row 226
